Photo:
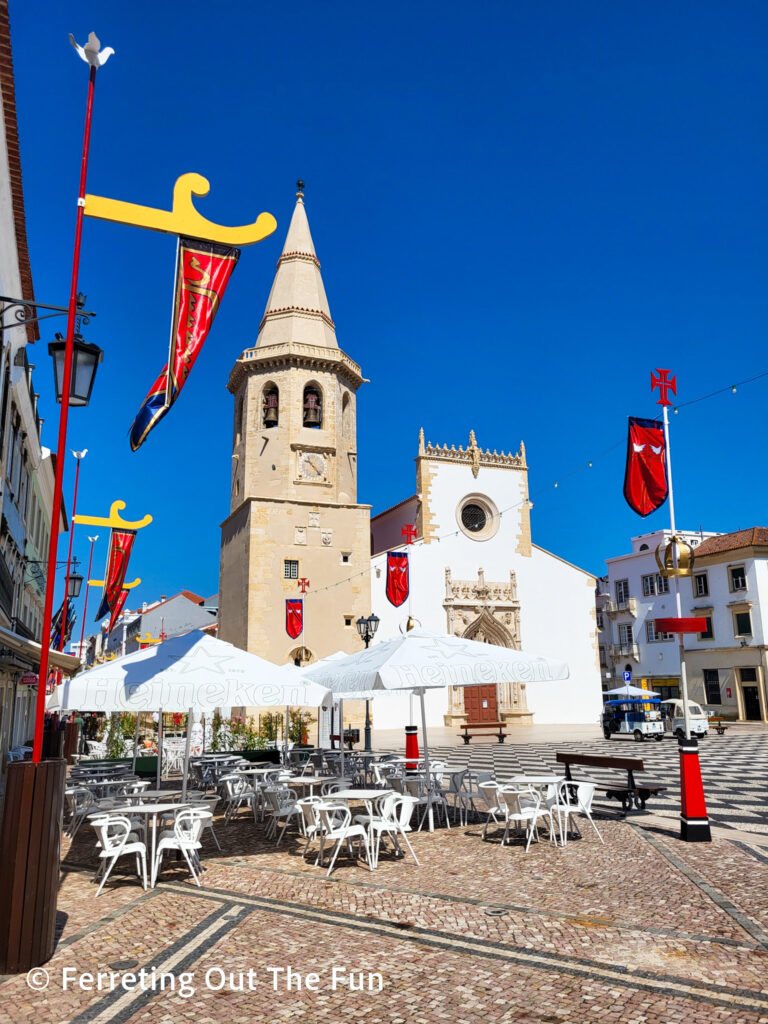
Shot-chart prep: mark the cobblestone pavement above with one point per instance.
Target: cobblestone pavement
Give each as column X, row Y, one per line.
column 641, row 930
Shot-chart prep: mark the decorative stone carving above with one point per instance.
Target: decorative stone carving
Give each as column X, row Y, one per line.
column 314, row 520
column 488, row 612
column 300, row 535
column 327, row 538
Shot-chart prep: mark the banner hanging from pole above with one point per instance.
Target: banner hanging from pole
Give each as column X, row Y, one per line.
column 120, row 547
column 203, row 270
column 397, row 577
column 117, row 610
column 645, row 476
column 294, row 617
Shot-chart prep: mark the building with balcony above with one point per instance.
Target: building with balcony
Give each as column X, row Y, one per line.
column 629, row 598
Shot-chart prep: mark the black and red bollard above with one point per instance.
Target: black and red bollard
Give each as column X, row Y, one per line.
column 411, row 748
column 694, row 823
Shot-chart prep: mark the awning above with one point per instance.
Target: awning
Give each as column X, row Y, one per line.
column 31, row 651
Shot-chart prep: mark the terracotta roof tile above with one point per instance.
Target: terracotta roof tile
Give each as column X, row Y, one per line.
column 753, row 537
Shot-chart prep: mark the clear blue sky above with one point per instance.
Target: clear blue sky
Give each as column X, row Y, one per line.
column 520, row 210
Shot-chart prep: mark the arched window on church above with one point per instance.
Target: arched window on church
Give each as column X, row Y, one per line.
column 238, row 419
column 346, row 416
column 271, row 405
column 313, row 406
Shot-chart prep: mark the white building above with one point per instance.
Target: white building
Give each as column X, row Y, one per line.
column 475, row 572
column 632, row 595
column 728, row 665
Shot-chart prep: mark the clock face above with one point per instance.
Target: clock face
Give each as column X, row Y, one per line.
column 312, row 466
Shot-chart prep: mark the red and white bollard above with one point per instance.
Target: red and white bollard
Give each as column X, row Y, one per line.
column 411, row 748
column 694, row 823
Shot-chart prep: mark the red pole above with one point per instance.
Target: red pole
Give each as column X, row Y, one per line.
column 78, row 456
column 85, row 606
column 61, row 449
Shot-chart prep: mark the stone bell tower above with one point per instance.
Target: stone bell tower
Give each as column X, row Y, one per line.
column 293, row 504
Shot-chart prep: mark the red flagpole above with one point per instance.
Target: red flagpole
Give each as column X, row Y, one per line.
column 61, row 449
column 85, row 606
column 79, row 456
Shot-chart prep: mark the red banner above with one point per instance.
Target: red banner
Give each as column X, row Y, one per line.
column 397, row 577
column 294, row 617
column 121, row 599
column 697, row 625
column 203, row 270
column 120, row 546
column 645, row 477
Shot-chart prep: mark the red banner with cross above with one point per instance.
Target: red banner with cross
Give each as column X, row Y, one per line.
column 397, row 577
column 294, row 617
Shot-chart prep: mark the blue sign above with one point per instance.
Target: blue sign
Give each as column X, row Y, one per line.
column 627, row 677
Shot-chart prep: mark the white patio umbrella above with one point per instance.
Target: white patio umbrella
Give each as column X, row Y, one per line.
column 627, row 690
column 420, row 660
column 193, row 672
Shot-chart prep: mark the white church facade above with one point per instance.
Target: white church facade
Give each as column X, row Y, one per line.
column 474, row 572
column 297, row 531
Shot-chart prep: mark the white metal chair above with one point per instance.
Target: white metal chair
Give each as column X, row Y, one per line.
column 469, row 791
column 184, row 837
column 311, row 825
column 117, row 840
column 207, row 803
column 576, row 798
column 337, row 827
column 417, row 789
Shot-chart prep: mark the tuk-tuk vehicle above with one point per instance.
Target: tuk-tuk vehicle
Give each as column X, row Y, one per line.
column 638, row 717
column 674, row 720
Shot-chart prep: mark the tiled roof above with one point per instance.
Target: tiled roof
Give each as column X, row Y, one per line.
column 756, row 536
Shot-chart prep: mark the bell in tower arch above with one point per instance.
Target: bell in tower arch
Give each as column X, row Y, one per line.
column 271, row 408
column 313, row 412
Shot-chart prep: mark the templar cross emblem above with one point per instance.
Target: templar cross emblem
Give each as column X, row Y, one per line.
column 409, row 532
column 303, row 583
column 664, row 384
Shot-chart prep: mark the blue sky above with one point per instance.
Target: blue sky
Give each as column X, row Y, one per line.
column 520, row 209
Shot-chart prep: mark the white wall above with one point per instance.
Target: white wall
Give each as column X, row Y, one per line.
column 556, row 599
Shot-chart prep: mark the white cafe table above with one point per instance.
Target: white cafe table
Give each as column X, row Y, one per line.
column 151, row 812
column 304, row 781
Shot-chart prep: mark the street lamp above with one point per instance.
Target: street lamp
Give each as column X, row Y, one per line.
column 85, row 360
column 367, row 630
column 74, row 583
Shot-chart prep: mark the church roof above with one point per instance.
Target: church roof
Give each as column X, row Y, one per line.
column 297, row 308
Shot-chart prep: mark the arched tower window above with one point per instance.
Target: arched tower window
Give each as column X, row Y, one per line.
column 238, row 419
column 313, row 406
column 271, row 406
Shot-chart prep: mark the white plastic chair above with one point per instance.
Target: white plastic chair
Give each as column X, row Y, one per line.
column 469, row 791
column 523, row 807
column 495, row 806
column 81, row 802
column 337, row 826
column 185, row 837
column 386, row 821
column 207, row 803
column 584, row 793
column 310, row 823
column 281, row 806
column 237, row 793
column 116, row 840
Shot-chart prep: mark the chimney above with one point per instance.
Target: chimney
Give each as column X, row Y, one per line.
column 162, row 597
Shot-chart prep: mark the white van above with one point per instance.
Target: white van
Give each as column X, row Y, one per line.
column 674, row 721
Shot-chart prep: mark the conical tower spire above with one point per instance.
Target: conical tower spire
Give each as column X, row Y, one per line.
column 297, row 308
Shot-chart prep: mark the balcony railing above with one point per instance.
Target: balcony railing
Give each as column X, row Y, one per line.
column 617, row 607
column 625, row 651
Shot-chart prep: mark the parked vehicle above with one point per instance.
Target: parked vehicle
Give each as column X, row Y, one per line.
column 638, row 717
column 674, row 721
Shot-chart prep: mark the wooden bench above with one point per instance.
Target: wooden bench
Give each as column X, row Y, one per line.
column 632, row 794
column 718, row 724
column 473, row 728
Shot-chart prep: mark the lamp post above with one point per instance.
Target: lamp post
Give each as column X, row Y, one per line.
column 367, row 630
column 63, row 351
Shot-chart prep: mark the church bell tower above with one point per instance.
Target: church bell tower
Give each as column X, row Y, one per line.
column 293, row 504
